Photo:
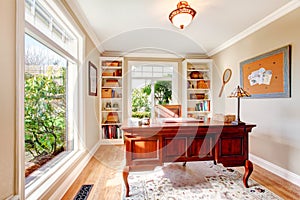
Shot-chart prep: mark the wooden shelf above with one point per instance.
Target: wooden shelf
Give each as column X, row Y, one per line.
column 112, row 77
column 198, row 79
column 107, row 111
column 198, row 112
column 116, row 99
column 199, row 100
column 107, row 68
column 111, row 87
column 197, row 89
column 109, row 124
column 198, row 70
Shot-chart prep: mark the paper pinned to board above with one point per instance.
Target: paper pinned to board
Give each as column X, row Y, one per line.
column 261, row 76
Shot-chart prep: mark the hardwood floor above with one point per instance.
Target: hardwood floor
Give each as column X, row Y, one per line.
column 105, row 171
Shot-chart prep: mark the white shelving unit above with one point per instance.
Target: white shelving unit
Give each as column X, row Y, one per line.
column 197, row 93
column 111, row 100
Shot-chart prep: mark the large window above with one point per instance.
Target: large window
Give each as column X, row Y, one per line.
column 152, row 83
column 53, row 50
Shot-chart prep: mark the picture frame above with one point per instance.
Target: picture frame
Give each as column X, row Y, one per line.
column 92, row 79
column 268, row 75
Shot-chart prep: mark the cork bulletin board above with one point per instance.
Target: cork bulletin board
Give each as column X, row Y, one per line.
column 267, row 75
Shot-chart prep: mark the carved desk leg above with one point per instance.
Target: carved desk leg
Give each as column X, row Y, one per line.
column 125, row 178
column 248, row 171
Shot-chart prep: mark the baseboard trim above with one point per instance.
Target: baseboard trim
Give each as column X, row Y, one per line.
column 279, row 171
column 59, row 193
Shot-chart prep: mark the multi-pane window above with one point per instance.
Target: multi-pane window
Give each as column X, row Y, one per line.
column 40, row 16
column 150, row 70
column 152, row 83
column 51, row 109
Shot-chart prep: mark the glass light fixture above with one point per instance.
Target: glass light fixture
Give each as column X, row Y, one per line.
column 238, row 93
column 183, row 15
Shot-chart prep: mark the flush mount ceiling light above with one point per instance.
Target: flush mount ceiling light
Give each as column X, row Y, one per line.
column 183, row 15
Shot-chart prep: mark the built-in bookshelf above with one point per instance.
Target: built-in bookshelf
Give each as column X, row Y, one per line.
column 111, row 101
column 197, row 93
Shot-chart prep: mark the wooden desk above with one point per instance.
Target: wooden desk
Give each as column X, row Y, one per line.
column 183, row 142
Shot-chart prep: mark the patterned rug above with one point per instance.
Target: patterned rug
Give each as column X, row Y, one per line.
column 198, row 180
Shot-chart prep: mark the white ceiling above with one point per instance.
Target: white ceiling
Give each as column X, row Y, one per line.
column 143, row 25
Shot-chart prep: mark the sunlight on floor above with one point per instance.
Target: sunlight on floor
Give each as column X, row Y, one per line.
column 114, row 181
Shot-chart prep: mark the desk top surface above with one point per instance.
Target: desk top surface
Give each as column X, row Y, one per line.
column 180, row 122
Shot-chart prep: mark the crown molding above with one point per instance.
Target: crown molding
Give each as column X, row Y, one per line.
column 84, row 22
column 145, row 54
column 292, row 5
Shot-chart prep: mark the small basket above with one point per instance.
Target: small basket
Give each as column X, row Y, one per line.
column 197, row 96
column 108, row 73
column 106, row 93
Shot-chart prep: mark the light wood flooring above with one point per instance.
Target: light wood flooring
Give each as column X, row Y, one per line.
column 104, row 170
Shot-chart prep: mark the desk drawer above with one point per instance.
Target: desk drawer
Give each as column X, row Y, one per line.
column 201, row 148
column 143, row 151
column 174, row 149
column 232, row 149
column 188, row 148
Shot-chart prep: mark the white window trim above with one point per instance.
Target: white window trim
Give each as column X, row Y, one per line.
column 58, row 170
column 20, row 46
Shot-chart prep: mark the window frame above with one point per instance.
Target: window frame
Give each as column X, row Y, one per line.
column 40, row 187
column 174, row 79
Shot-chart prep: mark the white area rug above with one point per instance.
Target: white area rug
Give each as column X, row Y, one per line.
column 198, row 180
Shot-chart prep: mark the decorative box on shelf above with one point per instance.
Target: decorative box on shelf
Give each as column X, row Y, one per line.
column 113, row 63
column 112, row 73
column 191, row 109
column 224, row 118
column 108, row 73
column 112, row 117
column 197, row 96
column 106, row 93
column 203, row 84
column 111, row 83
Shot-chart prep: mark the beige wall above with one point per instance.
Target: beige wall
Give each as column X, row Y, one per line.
column 276, row 137
column 8, row 98
column 91, row 103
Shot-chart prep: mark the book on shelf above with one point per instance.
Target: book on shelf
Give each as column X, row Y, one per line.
column 203, row 106
column 111, row 132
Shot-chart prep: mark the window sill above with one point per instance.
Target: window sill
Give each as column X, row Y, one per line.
column 39, row 188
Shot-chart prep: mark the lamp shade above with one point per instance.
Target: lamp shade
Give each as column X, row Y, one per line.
column 183, row 15
column 239, row 92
